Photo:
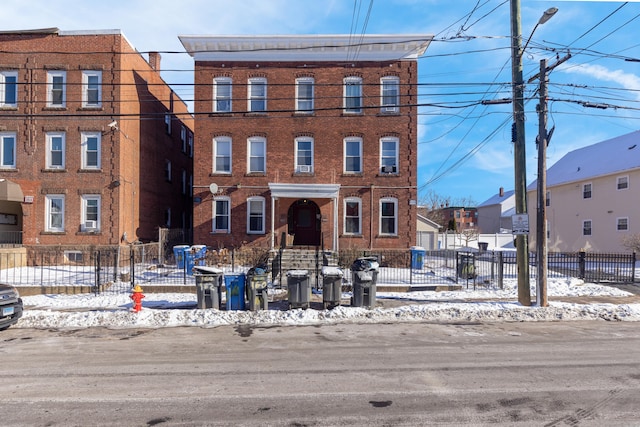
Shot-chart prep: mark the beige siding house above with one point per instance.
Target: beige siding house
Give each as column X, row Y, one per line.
column 494, row 214
column 593, row 196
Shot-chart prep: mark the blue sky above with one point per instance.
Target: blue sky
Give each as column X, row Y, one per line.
column 465, row 149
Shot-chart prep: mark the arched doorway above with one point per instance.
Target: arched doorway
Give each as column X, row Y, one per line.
column 304, row 222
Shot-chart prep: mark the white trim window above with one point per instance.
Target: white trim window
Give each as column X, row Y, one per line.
column 90, row 144
column 255, row 215
column 222, row 154
column 257, row 91
column 389, row 216
column 352, row 155
column 389, row 155
column 390, row 94
column 55, row 150
column 222, row 89
column 167, row 123
column 56, row 88
column 257, row 154
column 547, row 199
column 7, row 150
column 586, row 190
column 586, row 227
column 353, row 95
column 54, row 213
column 304, row 94
column 221, row 218
column 353, row 216
column 90, row 214
column 9, row 89
column 304, row 155
column 622, row 182
column 622, row 224
column 91, row 88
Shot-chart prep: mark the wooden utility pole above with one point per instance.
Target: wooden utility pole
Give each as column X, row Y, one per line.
column 541, row 224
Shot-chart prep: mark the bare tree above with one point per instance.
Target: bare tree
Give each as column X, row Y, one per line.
column 470, row 234
column 632, row 242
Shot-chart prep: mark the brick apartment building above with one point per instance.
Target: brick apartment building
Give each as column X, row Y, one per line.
column 96, row 149
column 306, row 140
column 464, row 218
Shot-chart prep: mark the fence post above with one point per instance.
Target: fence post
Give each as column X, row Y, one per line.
column 500, row 270
column 97, row 270
column 581, row 264
column 132, row 267
column 633, row 267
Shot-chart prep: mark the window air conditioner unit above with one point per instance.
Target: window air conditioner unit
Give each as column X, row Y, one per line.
column 304, row 168
column 388, row 169
column 390, row 109
column 90, row 225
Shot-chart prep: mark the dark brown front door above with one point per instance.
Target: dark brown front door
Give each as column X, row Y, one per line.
column 304, row 223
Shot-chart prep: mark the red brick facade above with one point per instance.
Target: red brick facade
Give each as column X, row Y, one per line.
column 92, row 167
column 305, row 202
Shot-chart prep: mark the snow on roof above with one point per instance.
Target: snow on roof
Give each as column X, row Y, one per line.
column 604, row 158
column 496, row 199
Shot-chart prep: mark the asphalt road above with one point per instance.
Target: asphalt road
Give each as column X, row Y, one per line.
column 538, row 374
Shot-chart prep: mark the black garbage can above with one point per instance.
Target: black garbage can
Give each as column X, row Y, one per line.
column 208, row 286
column 466, row 265
column 299, row 288
column 364, row 275
column 331, row 286
column 257, row 280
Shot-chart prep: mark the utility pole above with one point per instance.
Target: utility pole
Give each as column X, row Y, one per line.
column 519, row 153
column 541, row 224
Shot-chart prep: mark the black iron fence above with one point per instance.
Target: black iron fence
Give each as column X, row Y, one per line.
column 119, row 268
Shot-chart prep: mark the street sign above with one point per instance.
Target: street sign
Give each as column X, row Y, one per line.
column 520, row 224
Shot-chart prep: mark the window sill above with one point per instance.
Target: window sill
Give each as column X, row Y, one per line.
column 304, row 114
column 53, row 170
column 387, row 236
column 89, row 233
column 351, row 236
column 255, row 114
column 388, row 175
column 220, row 174
column 352, row 114
column 221, row 114
column 303, row 174
column 214, row 232
column 388, row 113
column 54, row 108
column 8, row 108
column 255, row 174
column 53, row 233
column 354, row 174
column 91, row 108
column 89, row 170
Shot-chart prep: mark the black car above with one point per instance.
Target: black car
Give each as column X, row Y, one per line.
column 10, row 306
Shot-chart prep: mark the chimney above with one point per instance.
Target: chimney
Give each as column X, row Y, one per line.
column 501, row 191
column 154, row 60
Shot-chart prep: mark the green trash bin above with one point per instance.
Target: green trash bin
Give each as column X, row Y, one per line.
column 208, row 287
column 257, row 282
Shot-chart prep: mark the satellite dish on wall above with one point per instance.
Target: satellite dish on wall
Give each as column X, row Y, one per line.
column 213, row 187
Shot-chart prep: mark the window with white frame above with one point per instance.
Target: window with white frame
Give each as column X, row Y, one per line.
column 304, row 94
column 221, row 215
column 255, row 215
column 54, row 213
column 8, row 150
column 90, row 143
column 353, row 95
column 90, row 214
column 257, row 94
column 257, row 151
column 388, row 217
column 8, row 88
column 91, row 88
column 389, row 155
column 353, row 216
column 586, row 191
column 222, row 154
column 622, row 224
column 353, row 155
column 304, row 155
column 222, row 94
column 622, row 182
column 55, row 150
column 56, row 88
column 586, row 227
column 390, row 94
column 547, row 199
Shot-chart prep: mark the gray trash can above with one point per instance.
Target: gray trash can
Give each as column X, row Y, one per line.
column 299, row 288
column 364, row 274
column 257, row 290
column 208, row 286
column 331, row 286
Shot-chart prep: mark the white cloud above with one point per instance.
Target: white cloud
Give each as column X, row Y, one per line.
column 626, row 80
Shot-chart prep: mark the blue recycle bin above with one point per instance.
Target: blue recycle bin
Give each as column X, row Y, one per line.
column 193, row 256
column 234, row 284
column 178, row 254
column 417, row 257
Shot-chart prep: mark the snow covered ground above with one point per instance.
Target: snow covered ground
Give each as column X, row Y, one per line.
column 113, row 310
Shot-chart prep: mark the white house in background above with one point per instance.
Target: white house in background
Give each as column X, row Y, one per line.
column 593, row 197
column 428, row 232
column 494, row 214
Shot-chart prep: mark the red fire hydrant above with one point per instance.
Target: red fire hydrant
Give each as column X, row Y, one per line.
column 137, row 296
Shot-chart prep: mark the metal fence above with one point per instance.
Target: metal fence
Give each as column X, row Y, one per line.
column 119, row 268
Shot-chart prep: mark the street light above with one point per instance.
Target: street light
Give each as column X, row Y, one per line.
column 519, row 152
